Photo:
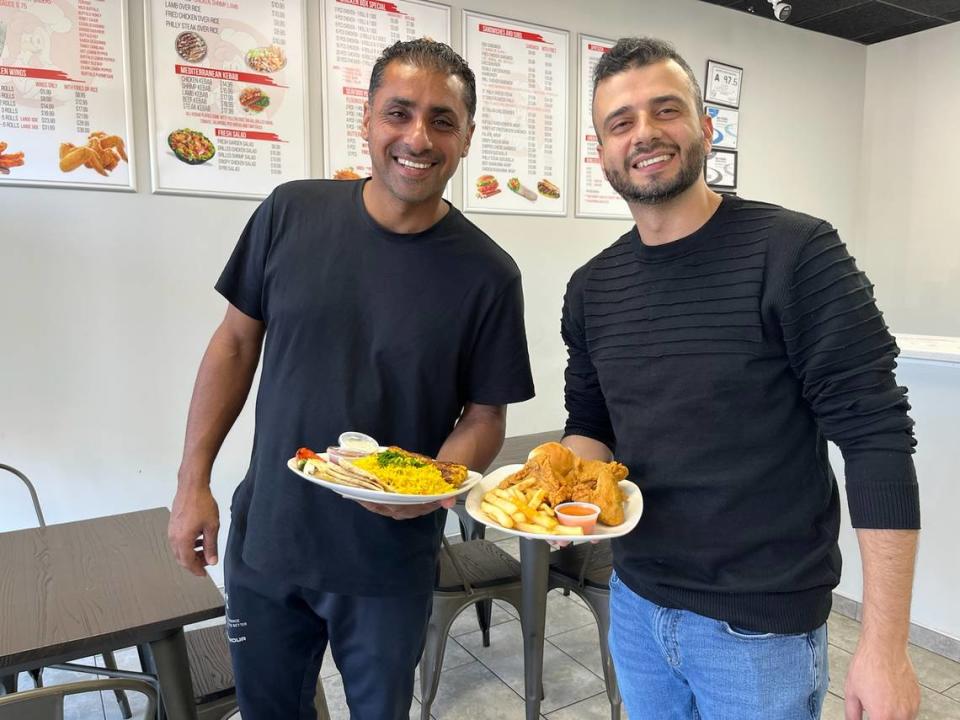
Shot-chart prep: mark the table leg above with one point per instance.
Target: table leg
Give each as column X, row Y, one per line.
column 148, row 666
column 173, row 672
column 534, row 572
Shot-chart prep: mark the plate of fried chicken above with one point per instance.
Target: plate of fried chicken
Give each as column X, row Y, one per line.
column 564, row 477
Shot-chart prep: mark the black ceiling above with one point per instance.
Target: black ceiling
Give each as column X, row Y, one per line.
column 864, row 21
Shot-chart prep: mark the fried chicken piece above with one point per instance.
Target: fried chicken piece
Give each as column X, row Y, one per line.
column 608, row 494
column 563, row 476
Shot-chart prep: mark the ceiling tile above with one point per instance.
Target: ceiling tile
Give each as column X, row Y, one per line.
column 934, row 8
column 895, row 31
column 864, row 21
column 860, row 20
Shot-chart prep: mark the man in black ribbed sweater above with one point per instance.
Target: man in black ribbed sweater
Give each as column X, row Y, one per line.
column 714, row 349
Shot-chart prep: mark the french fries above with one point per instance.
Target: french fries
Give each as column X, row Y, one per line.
column 522, row 507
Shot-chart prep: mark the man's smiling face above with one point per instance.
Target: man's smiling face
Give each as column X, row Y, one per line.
column 417, row 127
column 654, row 139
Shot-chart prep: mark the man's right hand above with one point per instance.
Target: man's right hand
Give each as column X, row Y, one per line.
column 194, row 523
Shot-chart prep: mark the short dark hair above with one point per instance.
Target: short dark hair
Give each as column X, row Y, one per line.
column 430, row 55
column 637, row 52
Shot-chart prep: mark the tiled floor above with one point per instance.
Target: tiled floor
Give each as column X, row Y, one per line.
column 487, row 683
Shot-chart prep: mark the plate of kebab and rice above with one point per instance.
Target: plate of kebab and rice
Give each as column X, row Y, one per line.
column 360, row 469
column 558, row 496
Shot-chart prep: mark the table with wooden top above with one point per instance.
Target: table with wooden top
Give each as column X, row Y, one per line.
column 78, row 589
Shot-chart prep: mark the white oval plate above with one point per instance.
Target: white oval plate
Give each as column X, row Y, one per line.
column 378, row 496
column 632, row 510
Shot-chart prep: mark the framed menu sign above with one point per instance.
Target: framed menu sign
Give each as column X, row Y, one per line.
column 355, row 32
column 517, row 161
column 65, row 116
column 595, row 197
column 227, row 94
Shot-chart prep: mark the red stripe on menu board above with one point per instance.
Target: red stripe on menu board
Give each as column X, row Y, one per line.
column 507, row 32
column 246, row 135
column 597, row 48
column 10, row 71
column 373, row 5
column 230, row 75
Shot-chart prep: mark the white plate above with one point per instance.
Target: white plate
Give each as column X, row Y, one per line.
column 632, row 510
column 378, row 496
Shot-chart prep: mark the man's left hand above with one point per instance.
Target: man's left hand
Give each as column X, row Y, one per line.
column 882, row 683
column 407, row 512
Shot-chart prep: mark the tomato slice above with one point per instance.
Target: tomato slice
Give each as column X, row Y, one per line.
column 306, row 454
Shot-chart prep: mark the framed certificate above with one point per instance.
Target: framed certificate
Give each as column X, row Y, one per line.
column 720, row 169
column 723, row 84
column 726, row 126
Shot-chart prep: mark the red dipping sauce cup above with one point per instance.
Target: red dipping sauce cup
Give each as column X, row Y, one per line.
column 578, row 514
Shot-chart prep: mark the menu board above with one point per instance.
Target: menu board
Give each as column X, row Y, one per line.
column 65, row 94
column 227, row 92
column 517, row 162
column 355, row 34
column 595, row 197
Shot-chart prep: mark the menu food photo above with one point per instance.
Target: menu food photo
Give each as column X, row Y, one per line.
column 595, row 196
column 227, row 92
column 517, row 161
column 355, row 32
column 65, row 94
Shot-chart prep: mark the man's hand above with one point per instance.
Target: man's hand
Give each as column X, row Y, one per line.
column 407, row 512
column 194, row 523
column 882, row 683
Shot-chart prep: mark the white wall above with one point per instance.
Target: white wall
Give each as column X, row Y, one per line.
column 909, row 241
column 934, row 397
column 106, row 299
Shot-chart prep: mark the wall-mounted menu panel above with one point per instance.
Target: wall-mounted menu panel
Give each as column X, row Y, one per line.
column 355, row 33
column 595, row 197
column 517, row 162
column 227, row 87
column 65, row 94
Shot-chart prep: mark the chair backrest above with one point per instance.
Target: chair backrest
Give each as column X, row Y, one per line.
column 46, row 703
column 30, row 488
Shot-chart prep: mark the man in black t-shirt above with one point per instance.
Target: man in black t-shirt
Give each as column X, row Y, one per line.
column 378, row 308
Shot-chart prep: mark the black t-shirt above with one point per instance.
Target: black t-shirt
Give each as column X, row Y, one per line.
column 372, row 331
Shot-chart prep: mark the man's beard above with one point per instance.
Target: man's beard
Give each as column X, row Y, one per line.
column 656, row 191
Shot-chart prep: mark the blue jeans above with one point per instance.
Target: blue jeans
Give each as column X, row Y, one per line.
column 677, row 665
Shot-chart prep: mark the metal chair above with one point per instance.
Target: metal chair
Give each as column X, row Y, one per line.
column 46, row 703
column 470, row 529
column 585, row 569
column 9, row 682
column 468, row 573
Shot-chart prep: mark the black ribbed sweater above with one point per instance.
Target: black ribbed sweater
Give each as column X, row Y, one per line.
column 716, row 367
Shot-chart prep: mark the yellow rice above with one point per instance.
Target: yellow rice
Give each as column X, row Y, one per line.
column 426, row 480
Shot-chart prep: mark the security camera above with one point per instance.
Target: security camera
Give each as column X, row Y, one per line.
column 781, row 10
